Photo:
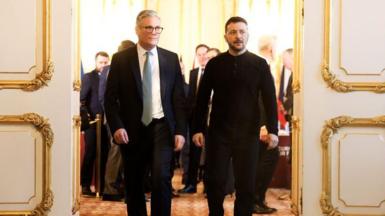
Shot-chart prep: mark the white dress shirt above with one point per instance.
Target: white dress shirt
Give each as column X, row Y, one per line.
column 157, row 110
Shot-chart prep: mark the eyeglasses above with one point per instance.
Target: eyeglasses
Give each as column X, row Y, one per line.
column 150, row 29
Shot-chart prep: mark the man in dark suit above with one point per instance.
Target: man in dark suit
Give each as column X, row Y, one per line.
column 237, row 78
column 145, row 109
column 285, row 94
column 91, row 95
column 114, row 167
column 194, row 151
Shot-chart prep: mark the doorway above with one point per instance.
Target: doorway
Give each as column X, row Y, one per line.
column 102, row 25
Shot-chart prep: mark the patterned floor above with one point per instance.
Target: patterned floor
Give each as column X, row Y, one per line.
column 185, row 205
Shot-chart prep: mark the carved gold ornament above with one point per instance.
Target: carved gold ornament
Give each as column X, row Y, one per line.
column 44, row 128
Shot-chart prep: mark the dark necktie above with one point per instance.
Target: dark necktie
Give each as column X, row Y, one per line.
column 147, row 90
column 199, row 80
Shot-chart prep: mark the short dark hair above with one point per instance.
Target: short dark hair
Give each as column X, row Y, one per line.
column 101, row 53
column 125, row 45
column 202, row 45
column 234, row 19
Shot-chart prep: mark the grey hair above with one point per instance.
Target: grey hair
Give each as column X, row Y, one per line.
column 145, row 13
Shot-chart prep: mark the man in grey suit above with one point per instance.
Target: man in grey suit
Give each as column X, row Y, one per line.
column 145, row 109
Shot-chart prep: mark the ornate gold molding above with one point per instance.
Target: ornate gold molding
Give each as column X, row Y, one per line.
column 294, row 209
column 330, row 128
column 45, row 75
column 76, row 85
column 77, row 63
column 330, row 78
column 42, row 126
column 76, row 165
column 296, row 142
column 296, row 167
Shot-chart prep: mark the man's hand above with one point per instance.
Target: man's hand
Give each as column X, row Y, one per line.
column 120, row 136
column 179, row 142
column 263, row 134
column 199, row 139
column 273, row 141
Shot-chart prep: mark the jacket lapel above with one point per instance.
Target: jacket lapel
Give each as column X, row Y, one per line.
column 134, row 66
column 194, row 81
column 162, row 73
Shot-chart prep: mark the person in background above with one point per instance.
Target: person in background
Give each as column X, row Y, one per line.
column 114, row 175
column 235, row 77
column 268, row 159
column 285, row 94
column 267, row 50
column 90, row 106
column 194, row 152
column 145, row 109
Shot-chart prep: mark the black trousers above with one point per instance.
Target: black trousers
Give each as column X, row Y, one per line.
column 87, row 169
column 244, row 161
column 155, row 147
column 193, row 164
column 268, row 159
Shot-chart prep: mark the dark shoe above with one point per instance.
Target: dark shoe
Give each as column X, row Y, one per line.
column 112, row 197
column 263, row 209
column 188, row 189
column 86, row 191
column 174, row 194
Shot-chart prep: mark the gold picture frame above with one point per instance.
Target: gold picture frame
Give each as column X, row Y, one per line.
column 329, row 129
column 42, row 77
column 44, row 128
column 330, row 78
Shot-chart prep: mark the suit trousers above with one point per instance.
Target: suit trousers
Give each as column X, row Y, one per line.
column 87, row 169
column 154, row 146
column 244, row 161
column 193, row 164
column 268, row 159
column 184, row 157
column 113, row 170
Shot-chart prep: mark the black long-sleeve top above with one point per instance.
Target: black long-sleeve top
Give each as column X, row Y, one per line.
column 236, row 82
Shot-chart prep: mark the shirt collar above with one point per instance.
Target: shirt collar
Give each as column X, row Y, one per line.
column 142, row 51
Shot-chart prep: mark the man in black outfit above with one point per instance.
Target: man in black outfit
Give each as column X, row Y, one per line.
column 236, row 77
column 145, row 109
column 195, row 151
column 91, row 95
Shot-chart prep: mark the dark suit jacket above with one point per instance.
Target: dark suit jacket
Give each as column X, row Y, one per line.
column 124, row 100
column 191, row 97
column 89, row 97
column 288, row 99
column 237, row 83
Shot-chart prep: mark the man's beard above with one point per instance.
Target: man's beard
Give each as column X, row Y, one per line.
column 232, row 47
